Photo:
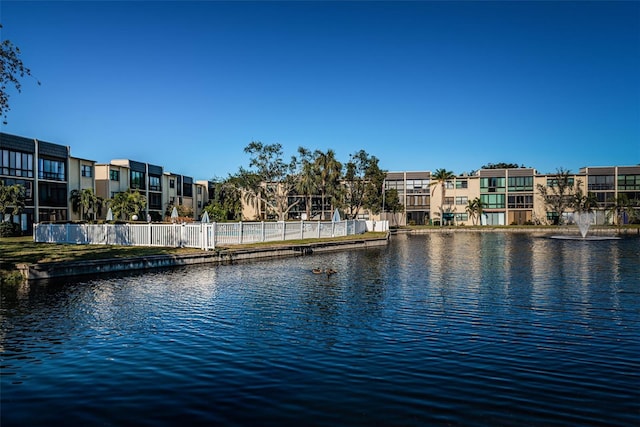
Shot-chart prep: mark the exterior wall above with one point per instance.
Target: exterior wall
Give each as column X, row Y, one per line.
column 81, row 177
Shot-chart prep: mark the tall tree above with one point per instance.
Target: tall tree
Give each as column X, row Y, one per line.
column 440, row 178
column 12, row 69
column 307, row 185
column 558, row 194
column 363, row 184
column 329, row 171
column 278, row 178
column 12, row 200
column 474, row 209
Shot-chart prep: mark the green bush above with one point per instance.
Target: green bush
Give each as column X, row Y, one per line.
column 9, row 229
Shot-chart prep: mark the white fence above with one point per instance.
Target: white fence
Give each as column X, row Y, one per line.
column 193, row 235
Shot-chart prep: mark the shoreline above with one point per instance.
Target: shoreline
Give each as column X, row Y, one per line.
column 54, row 270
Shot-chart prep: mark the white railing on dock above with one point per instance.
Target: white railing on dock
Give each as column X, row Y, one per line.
column 196, row 235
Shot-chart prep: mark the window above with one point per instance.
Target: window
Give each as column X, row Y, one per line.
column 155, row 201
column 462, row 200
column 462, row 217
column 628, row 182
column 199, row 203
column 553, row 182
column 520, row 201
column 462, row 183
column 492, row 185
column 137, row 180
column 15, row 163
column 172, row 183
column 52, row 194
column 448, row 201
column 199, row 190
column 86, row 171
column 154, row 183
column 521, row 183
column 51, row 169
column 601, row 182
column 448, row 185
column 114, row 175
column 492, row 201
column 413, row 185
column 187, row 190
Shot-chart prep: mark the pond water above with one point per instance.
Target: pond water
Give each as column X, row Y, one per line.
column 474, row 329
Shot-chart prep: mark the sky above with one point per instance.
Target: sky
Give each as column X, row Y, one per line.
column 419, row 85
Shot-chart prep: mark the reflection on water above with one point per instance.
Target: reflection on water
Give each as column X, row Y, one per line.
column 451, row 329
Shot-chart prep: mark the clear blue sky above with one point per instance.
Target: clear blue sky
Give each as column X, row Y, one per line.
column 420, row 85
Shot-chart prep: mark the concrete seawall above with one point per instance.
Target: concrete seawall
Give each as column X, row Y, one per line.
column 43, row 271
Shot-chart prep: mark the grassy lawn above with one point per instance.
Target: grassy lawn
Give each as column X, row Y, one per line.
column 22, row 250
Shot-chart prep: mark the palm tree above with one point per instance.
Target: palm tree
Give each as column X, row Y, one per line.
column 85, row 201
column 619, row 206
column 474, row 209
column 329, row 171
column 440, row 177
column 307, row 184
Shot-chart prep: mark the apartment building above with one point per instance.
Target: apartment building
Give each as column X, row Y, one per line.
column 121, row 175
column 181, row 190
column 42, row 168
column 610, row 184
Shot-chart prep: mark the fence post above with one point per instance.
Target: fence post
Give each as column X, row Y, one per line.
column 240, row 233
column 283, row 231
column 301, row 229
column 319, row 225
column 149, row 233
column 213, row 232
column 66, row 230
column 262, row 231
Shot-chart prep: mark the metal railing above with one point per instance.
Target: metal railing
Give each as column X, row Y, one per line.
column 193, row 235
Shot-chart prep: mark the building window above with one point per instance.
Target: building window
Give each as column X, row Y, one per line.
column 155, row 201
column 154, row 183
column 199, row 190
column 448, row 185
column 114, row 175
column 492, row 201
column 601, row 182
column 86, row 171
column 51, row 169
column 462, row 217
column 15, row 163
column 137, row 180
column 172, row 183
column 199, row 204
column 492, row 185
column 520, row 201
column 462, row 183
column 448, row 201
column 520, row 183
column 628, row 182
column 462, row 200
column 553, row 182
column 413, row 185
column 52, row 194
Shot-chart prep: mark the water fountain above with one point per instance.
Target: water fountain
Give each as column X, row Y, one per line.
column 583, row 220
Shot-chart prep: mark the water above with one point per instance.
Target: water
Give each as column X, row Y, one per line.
column 447, row 329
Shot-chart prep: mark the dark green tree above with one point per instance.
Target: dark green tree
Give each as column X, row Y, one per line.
column 363, row 181
column 12, row 200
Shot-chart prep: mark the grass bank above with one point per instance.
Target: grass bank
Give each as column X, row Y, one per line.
column 22, row 250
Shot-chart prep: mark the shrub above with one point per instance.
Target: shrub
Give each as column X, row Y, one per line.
column 9, row 229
